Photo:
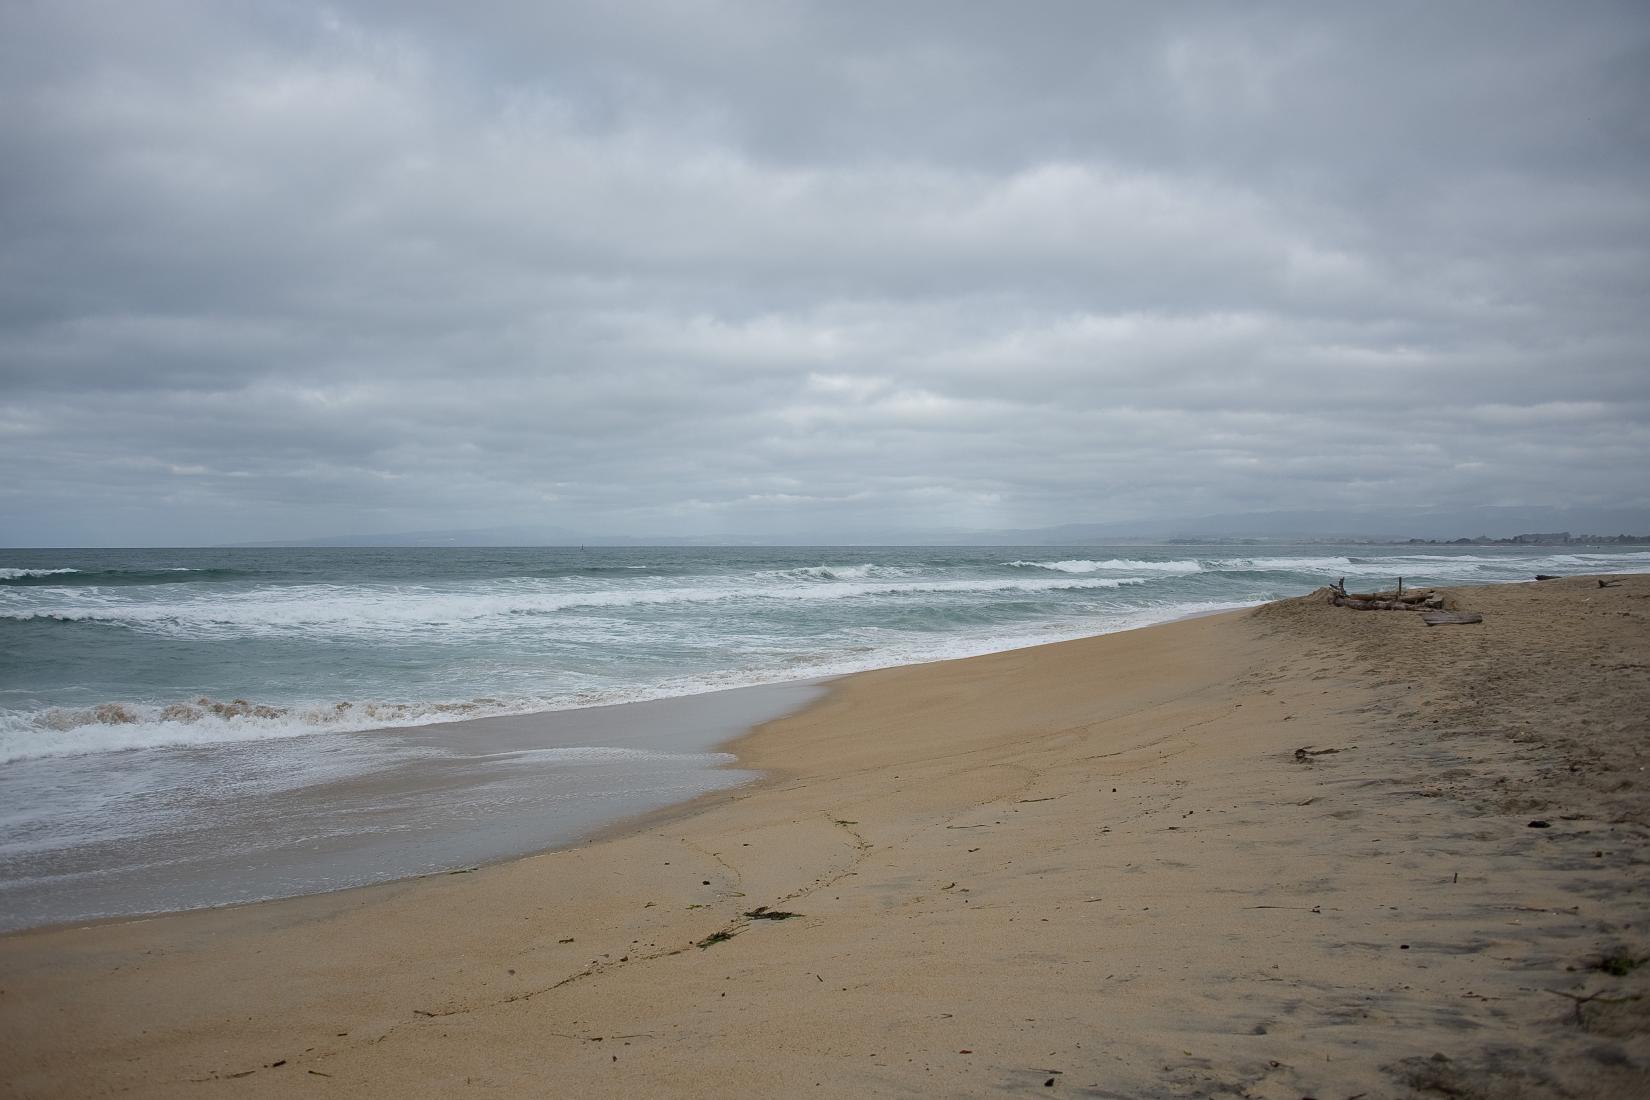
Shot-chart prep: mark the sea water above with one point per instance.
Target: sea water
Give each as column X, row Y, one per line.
column 224, row 724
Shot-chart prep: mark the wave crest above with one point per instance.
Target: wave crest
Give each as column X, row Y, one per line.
column 1081, row 565
column 405, row 613
column 112, row 726
column 97, row 578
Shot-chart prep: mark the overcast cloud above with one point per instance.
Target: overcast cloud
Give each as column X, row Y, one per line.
column 283, row 270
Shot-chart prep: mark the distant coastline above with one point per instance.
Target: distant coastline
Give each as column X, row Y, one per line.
column 1555, row 538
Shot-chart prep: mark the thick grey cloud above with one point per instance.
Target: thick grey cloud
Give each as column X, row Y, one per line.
column 694, row 267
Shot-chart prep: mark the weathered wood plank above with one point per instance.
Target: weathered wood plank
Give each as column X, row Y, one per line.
column 1442, row 618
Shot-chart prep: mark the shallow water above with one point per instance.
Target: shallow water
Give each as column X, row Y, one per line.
column 187, row 826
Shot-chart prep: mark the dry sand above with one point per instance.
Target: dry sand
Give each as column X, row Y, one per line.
column 1098, row 868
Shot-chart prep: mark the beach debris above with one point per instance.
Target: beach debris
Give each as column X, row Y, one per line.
column 1419, row 599
column 762, row 912
column 1581, row 1002
column 1602, row 583
column 1304, row 755
column 1620, row 964
column 722, row 936
column 1546, row 576
column 1539, row 824
column 1444, row 618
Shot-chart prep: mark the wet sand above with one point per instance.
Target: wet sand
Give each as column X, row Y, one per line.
column 1124, row 866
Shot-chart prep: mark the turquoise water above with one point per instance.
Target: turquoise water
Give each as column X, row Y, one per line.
column 192, row 727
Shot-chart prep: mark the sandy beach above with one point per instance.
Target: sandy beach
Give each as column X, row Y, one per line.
column 1294, row 851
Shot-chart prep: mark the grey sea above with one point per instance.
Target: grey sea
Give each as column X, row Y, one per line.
column 195, row 727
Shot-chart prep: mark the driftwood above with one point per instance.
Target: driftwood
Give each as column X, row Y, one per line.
column 1443, row 618
column 1398, row 600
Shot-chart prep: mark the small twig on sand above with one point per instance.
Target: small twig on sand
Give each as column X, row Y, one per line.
column 1579, row 1001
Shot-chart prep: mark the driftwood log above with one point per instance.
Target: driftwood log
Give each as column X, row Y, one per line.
column 1421, row 599
column 1440, row 618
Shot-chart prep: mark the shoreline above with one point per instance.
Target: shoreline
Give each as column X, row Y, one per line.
column 438, row 799
column 739, row 744
column 1280, row 851
column 503, row 730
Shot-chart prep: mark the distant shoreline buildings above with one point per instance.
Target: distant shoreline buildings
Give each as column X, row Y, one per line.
column 1548, row 538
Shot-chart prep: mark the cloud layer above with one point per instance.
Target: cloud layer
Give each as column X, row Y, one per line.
column 701, row 267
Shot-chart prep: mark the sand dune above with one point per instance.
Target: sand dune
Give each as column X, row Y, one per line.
column 1099, row 868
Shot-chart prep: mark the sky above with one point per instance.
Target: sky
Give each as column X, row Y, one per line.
column 285, row 270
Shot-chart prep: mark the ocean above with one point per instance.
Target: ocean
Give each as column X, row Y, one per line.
column 183, row 727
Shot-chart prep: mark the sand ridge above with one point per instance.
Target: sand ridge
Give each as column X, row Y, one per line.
column 1098, row 868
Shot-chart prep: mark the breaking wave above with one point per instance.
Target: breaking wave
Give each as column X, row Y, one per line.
column 7, row 575
column 105, row 577
column 1278, row 565
column 62, row 731
column 1111, row 565
column 390, row 613
column 866, row 571
column 118, row 726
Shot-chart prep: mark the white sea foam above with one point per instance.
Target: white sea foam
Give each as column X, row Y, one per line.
column 1111, row 565
column 392, row 613
column 864, row 571
column 605, row 754
column 1588, row 561
column 1280, row 565
column 15, row 574
column 107, row 727
column 838, row 572
column 1051, row 585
